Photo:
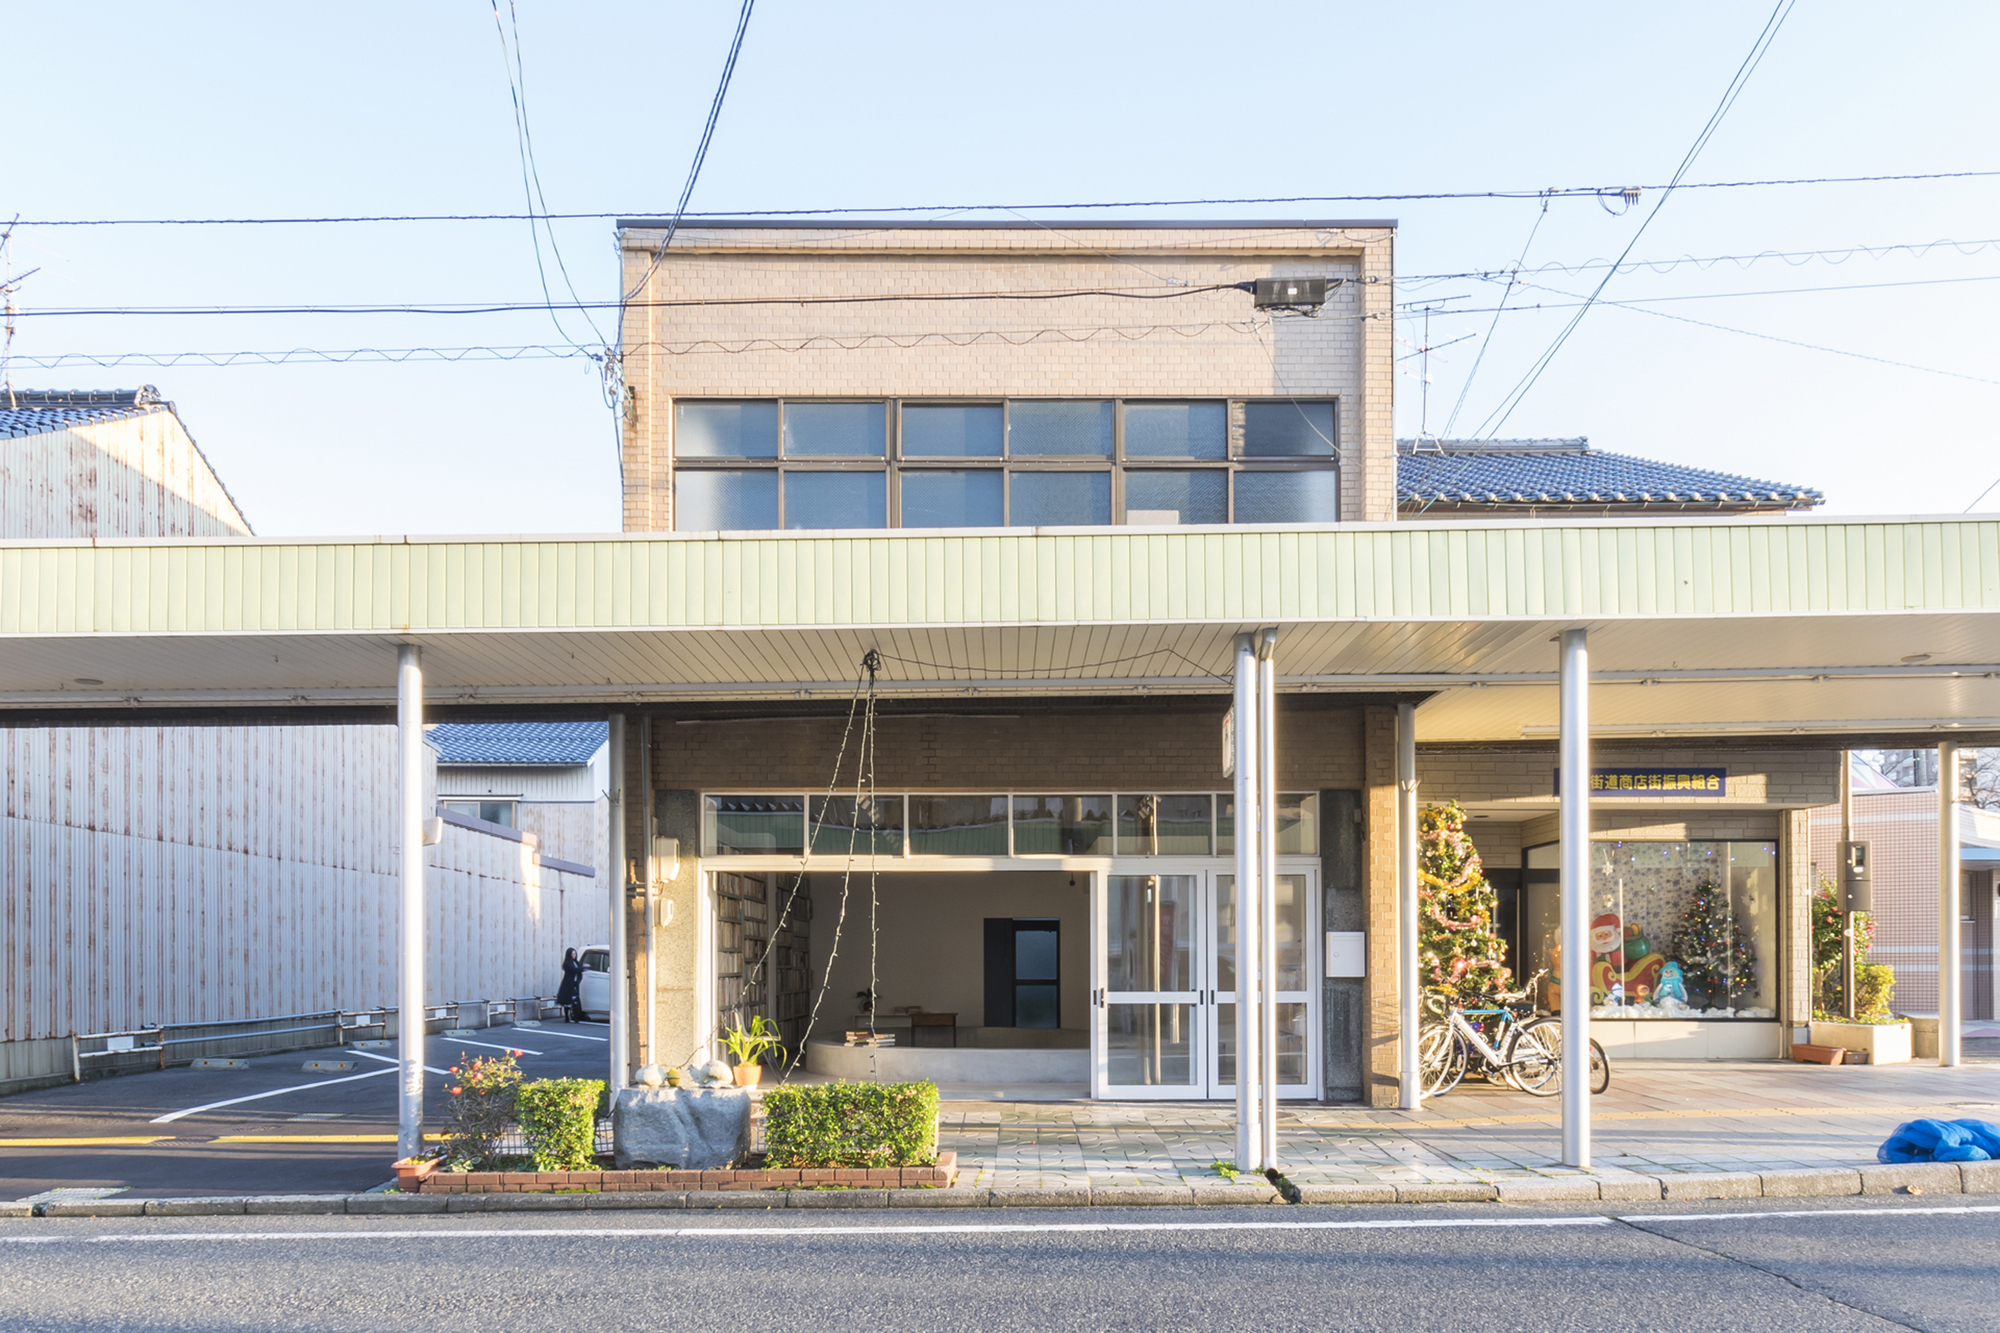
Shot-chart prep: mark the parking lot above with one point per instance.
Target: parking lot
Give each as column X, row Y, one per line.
column 304, row 1122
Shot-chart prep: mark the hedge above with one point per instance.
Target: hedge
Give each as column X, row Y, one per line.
column 559, row 1120
column 851, row 1125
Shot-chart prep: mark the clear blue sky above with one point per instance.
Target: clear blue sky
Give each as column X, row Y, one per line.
column 125, row 109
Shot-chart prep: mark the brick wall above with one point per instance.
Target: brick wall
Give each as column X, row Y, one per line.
column 1203, row 344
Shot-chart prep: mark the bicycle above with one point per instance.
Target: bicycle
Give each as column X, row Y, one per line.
column 1526, row 1055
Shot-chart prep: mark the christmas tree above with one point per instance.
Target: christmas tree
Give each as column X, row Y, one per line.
column 1459, row 951
column 1715, row 958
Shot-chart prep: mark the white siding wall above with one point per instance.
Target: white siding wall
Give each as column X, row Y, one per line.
column 184, row 874
column 527, row 782
column 571, row 830
column 141, row 476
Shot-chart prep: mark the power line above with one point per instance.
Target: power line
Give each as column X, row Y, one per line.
column 1560, row 192
column 1835, row 255
column 1513, row 278
column 1498, row 417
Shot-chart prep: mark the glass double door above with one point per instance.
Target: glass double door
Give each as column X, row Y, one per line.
column 1164, row 1002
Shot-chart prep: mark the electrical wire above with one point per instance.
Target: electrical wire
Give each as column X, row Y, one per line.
column 1513, row 278
column 1561, row 192
column 1498, row 417
column 1793, row 258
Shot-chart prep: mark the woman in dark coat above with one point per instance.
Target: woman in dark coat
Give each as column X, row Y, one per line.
column 566, row 994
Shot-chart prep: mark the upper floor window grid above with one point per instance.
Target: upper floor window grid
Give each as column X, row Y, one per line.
column 811, row 464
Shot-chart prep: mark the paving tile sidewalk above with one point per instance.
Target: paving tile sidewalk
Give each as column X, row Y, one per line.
column 1659, row 1118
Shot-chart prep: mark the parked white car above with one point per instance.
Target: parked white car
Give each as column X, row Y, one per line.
column 593, row 992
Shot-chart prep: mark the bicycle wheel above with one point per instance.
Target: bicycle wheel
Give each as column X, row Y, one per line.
column 1536, row 1057
column 1548, row 1034
column 1440, row 1059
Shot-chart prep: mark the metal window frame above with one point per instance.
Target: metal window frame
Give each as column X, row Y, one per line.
column 894, row 463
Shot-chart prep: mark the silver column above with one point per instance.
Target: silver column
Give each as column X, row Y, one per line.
column 1951, row 976
column 410, row 1015
column 621, row 970
column 1409, row 982
column 1573, row 758
column 1267, row 889
column 1249, row 1134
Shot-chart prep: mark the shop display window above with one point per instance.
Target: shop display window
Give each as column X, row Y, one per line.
column 1677, row 929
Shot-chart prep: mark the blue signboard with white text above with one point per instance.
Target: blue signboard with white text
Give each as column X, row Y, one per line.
column 1679, row 781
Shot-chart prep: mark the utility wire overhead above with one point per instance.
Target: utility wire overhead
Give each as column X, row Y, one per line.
column 1561, row 192
column 1498, row 417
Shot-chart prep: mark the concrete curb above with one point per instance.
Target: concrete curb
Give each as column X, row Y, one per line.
column 1806, row 1183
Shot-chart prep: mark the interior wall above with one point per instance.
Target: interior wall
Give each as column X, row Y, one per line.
column 930, row 941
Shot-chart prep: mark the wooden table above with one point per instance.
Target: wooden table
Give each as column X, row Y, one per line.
column 920, row 1021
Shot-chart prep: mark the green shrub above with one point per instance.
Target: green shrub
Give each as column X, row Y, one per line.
column 851, row 1125
column 559, row 1120
column 481, row 1109
column 1874, row 983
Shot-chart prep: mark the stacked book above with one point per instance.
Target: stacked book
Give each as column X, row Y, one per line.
column 863, row 1037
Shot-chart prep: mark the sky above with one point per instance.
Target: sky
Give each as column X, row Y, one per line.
column 126, row 110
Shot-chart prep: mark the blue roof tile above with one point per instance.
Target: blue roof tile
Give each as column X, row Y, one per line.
column 34, row 411
column 1507, row 474
column 517, row 742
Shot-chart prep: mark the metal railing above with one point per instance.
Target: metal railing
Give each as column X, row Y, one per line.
column 154, row 1047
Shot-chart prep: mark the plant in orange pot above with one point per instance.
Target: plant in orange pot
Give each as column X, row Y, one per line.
column 749, row 1045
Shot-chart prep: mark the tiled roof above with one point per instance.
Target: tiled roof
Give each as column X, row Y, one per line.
column 1519, row 473
column 33, row 411
column 517, row 742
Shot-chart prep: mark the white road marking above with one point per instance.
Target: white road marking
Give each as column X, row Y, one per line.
column 519, row 1050
column 1810, row 1212
column 172, row 1116
column 391, row 1060
column 573, row 1036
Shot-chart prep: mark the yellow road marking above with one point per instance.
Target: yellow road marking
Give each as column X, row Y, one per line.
column 79, row 1143
column 305, row 1138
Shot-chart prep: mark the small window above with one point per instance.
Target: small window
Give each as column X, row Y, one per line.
column 595, row 960
column 817, row 500
column 491, row 812
column 706, row 501
column 1062, row 826
column 753, row 825
column 951, row 430
column 1298, row 824
column 952, row 499
column 1164, row 825
column 1288, row 430
column 1059, row 499
column 875, row 828
column 1301, row 496
column 1176, row 430
column 1174, row 497
column 1059, row 430
column 1023, row 972
column 958, row 825
column 836, row 430
column 726, row 430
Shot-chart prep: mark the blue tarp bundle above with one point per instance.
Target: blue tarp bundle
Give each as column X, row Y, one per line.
column 1941, row 1141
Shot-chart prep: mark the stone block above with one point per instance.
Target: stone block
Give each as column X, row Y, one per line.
column 1031, row 1197
column 397, row 1203
column 1979, row 1177
column 742, row 1198
column 1246, row 1193
column 1811, row 1182
column 1348, row 1192
column 95, row 1208
column 1929, row 1177
column 641, row 1199
column 17, row 1210
column 1142, row 1196
column 937, row 1198
column 1711, row 1185
column 295, row 1205
column 1548, row 1189
column 833, row 1198
column 517, row 1203
column 687, row 1129
column 1626, row 1189
column 218, row 1207
column 1468, row 1191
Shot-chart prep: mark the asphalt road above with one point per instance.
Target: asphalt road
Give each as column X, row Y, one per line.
column 296, row 1131
column 1848, row 1264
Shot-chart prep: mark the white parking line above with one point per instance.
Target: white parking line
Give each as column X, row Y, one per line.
column 461, row 1041
column 573, row 1036
column 997, row 1229
column 172, row 1116
column 391, row 1060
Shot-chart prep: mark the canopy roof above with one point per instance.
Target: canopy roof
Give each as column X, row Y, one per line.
column 1704, row 626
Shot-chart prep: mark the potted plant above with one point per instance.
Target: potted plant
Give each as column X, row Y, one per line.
column 748, row 1045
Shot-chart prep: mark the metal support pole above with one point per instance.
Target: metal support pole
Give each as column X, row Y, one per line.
column 410, row 1020
column 1951, row 978
column 649, row 1003
column 1267, row 889
column 621, row 970
column 1573, row 758
column 1249, row 1134
column 1409, row 983
column 1846, row 917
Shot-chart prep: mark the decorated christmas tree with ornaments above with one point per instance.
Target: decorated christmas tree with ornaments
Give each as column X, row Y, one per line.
column 1459, row 949
column 1715, row 957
